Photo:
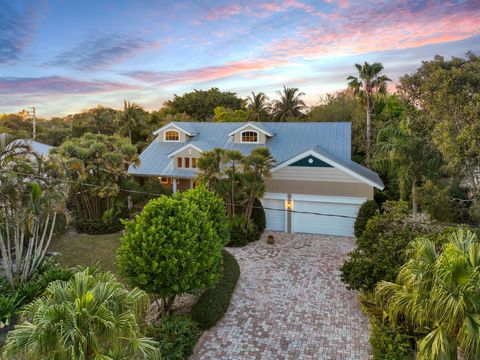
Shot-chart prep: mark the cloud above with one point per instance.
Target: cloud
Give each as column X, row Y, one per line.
column 204, row 74
column 16, row 31
column 374, row 29
column 102, row 52
column 56, row 85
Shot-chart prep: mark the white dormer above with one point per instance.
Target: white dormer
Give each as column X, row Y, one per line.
column 172, row 133
column 250, row 133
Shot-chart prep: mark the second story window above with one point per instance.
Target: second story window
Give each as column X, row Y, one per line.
column 194, row 162
column 172, row 135
column 249, row 137
column 179, row 162
column 187, row 162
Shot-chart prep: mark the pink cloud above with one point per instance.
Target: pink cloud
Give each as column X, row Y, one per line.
column 225, row 11
column 208, row 73
column 57, row 85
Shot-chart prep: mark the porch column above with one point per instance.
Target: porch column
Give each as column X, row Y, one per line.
column 174, row 185
column 191, row 183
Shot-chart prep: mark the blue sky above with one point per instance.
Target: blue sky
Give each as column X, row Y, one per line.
column 65, row 56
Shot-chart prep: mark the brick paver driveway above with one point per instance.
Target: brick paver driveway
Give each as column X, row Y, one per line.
column 290, row 304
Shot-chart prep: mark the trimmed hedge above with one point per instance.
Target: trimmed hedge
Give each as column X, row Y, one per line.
column 176, row 336
column 390, row 342
column 214, row 302
column 367, row 211
column 98, row 226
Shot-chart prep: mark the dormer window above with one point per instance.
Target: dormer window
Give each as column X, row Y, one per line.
column 172, row 135
column 249, row 136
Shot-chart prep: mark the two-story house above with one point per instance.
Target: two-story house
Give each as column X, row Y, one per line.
column 313, row 170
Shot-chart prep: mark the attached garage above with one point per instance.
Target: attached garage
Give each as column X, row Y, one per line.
column 329, row 215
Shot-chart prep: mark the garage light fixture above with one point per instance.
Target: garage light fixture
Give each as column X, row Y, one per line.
column 289, row 202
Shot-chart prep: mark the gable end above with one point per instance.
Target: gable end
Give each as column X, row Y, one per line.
column 311, row 161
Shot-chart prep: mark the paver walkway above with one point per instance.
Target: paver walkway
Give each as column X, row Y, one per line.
column 290, row 304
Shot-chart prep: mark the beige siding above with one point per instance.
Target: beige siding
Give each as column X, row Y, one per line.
column 326, row 188
column 313, row 174
column 262, row 138
column 187, row 153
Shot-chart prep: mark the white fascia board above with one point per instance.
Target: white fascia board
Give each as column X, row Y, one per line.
column 328, row 161
column 250, row 125
column 317, row 198
column 170, row 125
column 183, row 148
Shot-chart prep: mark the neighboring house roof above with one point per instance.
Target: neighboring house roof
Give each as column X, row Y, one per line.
column 331, row 140
column 37, row 147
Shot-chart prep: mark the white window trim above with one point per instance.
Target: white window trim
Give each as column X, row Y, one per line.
column 249, row 142
column 163, row 180
column 165, row 135
column 247, row 125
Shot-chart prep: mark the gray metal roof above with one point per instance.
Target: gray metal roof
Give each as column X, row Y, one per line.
column 37, row 147
column 289, row 139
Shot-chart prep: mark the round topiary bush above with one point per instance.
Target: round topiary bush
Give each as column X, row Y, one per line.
column 172, row 247
column 367, row 210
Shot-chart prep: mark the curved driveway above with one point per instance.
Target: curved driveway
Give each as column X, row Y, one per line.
column 290, row 304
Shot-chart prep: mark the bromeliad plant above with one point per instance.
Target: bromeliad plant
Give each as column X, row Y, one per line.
column 437, row 293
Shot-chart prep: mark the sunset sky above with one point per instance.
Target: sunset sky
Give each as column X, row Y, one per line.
column 65, row 56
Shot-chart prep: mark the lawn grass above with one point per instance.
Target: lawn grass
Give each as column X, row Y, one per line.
column 87, row 250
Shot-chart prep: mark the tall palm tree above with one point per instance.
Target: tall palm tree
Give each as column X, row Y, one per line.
column 290, row 106
column 91, row 316
column 209, row 168
column 132, row 117
column 369, row 81
column 408, row 155
column 257, row 166
column 438, row 292
column 233, row 158
column 258, row 106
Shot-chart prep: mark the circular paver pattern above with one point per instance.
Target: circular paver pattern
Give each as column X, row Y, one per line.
column 290, row 304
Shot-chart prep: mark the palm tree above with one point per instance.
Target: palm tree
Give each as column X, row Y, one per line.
column 209, row 168
column 290, row 106
column 91, row 316
column 258, row 106
column 437, row 292
column 233, row 158
column 257, row 166
column 368, row 82
column 132, row 117
column 408, row 155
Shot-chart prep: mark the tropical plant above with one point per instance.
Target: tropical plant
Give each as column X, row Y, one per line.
column 209, row 168
column 91, row 316
column 98, row 120
column 232, row 159
column 408, row 155
column 132, row 119
column 31, row 198
column 290, row 106
column 258, row 106
column 96, row 167
column 368, row 209
column 256, row 167
column 437, row 292
column 368, row 82
column 172, row 247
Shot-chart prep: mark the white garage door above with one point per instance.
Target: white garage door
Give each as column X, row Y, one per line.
column 275, row 218
column 307, row 218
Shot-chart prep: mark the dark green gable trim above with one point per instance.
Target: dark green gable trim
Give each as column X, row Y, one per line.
column 310, row 161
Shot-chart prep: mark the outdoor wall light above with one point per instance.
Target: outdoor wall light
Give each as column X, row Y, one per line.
column 289, row 202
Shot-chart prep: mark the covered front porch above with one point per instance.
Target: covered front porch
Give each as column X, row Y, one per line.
column 177, row 184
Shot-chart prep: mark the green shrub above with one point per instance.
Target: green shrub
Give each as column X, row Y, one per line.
column 238, row 236
column 8, row 308
column 390, row 342
column 258, row 217
column 176, row 336
column 214, row 302
column 98, row 226
column 172, row 247
column 213, row 206
column 367, row 210
column 380, row 251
